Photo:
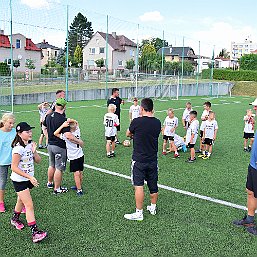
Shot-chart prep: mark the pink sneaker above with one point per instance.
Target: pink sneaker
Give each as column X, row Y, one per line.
column 23, row 210
column 38, row 236
column 2, row 208
column 17, row 224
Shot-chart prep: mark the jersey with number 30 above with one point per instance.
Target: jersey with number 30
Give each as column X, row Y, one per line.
column 111, row 121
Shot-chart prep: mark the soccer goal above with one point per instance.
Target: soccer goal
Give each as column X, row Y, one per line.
column 159, row 87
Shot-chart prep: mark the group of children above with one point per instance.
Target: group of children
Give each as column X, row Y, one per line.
column 208, row 130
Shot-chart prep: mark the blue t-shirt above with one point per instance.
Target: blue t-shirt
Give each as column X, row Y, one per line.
column 253, row 159
column 6, row 139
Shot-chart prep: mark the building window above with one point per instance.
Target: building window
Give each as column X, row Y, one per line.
column 132, row 53
column 101, row 51
column 120, row 63
column 92, row 50
column 91, row 63
column 8, row 61
column 55, row 53
column 18, row 43
column 97, row 41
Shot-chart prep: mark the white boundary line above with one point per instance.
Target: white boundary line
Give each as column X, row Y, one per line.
column 124, row 109
column 202, row 197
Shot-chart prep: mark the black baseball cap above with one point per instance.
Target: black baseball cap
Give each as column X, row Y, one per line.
column 23, row 126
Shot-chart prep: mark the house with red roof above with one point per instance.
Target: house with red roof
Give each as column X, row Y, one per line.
column 120, row 49
column 221, row 63
column 23, row 50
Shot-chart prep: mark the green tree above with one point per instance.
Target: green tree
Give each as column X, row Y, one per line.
column 100, row 63
column 78, row 55
column 30, row 64
column 224, row 53
column 130, row 64
column 149, row 60
column 80, row 32
column 248, row 62
column 4, row 69
column 156, row 42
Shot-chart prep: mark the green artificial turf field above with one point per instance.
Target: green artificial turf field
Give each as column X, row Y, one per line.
column 93, row 225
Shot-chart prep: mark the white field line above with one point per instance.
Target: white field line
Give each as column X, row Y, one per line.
column 183, row 192
column 124, row 109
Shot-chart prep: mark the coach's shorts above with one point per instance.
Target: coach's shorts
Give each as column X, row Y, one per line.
column 191, row 145
column 20, row 186
column 171, row 138
column 57, row 157
column 141, row 172
column 77, row 164
column 248, row 135
column 3, row 176
column 187, row 124
column 41, row 130
column 201, row 133
column 208, row 141
column 112, row 138
column 251, row 182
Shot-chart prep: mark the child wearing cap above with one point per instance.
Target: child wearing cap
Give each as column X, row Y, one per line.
column 23, row 156
column 134, row 110
column 74, row 152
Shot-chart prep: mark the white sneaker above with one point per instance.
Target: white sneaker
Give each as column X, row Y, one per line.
column 151, row 210
column 134, row 216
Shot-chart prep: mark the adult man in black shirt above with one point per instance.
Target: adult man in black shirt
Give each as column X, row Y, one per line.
column 116, row 100
column 145, row 131
column 57, row 147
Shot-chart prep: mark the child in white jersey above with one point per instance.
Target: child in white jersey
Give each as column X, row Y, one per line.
column 248, row 130
column 204, row 118
column 111, row 121
column 209, row 134
column 192, row 134
column 186, row 114
column 23, row 156
column 170, row 124
column 74, row 152
column 42, row 109
column 134, row 110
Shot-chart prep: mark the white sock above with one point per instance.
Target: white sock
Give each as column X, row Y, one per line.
column 140, row 212
column 58, row 189
column 112, row 151
column 176, row 152
column 209, row 154
column 153, row 206
column 108, row 153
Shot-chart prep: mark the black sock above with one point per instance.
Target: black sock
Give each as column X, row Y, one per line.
column 33, row 227
column 16, row 215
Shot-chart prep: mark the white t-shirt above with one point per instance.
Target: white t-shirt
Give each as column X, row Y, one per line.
column 170, row 123
column 249, row 125
column 178, row 141
column 42, row 113
column 186, row 114
column 210, row 127
column 192, row 129
column 135, row 111
column 74, row 151
column 111, row 120
column 26, row 163
column 204, row 114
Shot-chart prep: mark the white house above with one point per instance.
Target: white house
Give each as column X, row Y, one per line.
column 203, row 63
column 120, row 49
column 23, row 50
column 221, row 62
column 48, row 51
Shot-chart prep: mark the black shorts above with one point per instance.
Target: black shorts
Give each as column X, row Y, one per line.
column 171, row 138
column 20, row 186
column 201, row 133
column 187, row 124
column 112, row 138
column 141, row 172
column 208, row 141
column 118, row 127
column 248, row 135
column 191, row 145
column 77, row 164
column 251, row 182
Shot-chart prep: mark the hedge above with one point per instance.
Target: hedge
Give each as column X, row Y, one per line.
column 230, row 75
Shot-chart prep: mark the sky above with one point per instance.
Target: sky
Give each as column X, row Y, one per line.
column 214, row 23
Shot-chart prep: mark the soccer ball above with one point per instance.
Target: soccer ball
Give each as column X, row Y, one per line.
column 126, row 143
